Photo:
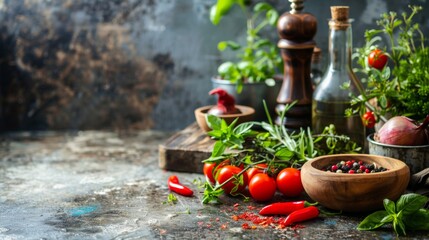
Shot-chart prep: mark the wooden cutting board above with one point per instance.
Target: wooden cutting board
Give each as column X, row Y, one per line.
column 185, row 150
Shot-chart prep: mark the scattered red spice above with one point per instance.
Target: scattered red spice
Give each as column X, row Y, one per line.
column 247, row 226
column 252, row 220
column 260, row 221
column 251, row 207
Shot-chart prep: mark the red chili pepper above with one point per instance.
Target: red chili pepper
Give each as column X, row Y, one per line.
column 301, row 215
column 284, row 208
column 175, row 186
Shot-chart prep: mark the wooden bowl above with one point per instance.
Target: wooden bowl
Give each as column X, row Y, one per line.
column 246, row 115
column 359, row 192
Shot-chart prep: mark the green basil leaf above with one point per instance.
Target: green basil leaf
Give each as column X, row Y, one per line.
column 419, row 220
column 410, row 203
column 373, row 221
column 284, row 154
column 226, row 67
column 216, row 134
column 218, row 149
column 389, row 206
column 213, row 122
column 388, row 219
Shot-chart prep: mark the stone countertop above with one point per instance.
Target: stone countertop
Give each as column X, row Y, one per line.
column 107, row 185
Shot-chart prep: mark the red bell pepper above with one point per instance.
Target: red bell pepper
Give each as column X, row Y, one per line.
column 175, row 186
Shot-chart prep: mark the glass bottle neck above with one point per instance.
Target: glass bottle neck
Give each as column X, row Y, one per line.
column 340, row 48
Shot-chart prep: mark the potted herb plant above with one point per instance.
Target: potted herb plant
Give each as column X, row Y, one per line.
column 253, row 76
column 396, row 74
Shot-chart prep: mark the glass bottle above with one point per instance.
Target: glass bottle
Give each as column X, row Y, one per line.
column 331, row 98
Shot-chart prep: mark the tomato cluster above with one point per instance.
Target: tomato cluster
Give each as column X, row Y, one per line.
column 261, row 182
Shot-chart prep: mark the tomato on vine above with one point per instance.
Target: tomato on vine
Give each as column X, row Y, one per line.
column 377, row 59
column 368, row 119
column 262, row 187
column 237, row 184
column 258, row 168
column 210, row 169
column 289, row 182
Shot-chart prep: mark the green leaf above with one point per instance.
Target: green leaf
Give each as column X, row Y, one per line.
column 382, row 100
column 284, row 154
column 213, row 121
column 218, row 149
column 243, row 128
column 373, row 221
column 216, row 134
column 262, row 43
column 220, row 9
column 244, row 65
column 410, row 203
column 226, row 68
column 389, row 206
column 272, row 17
column 221, row 46
column 419, row 220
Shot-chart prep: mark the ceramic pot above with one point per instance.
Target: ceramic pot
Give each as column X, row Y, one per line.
column 253, row 95
column 416, row 157
column 246, row 114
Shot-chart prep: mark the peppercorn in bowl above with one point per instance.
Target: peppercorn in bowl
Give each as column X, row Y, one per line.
column 354, row 182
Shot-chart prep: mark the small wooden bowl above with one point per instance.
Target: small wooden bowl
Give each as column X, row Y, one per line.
column 246, row 115
column 359, row 192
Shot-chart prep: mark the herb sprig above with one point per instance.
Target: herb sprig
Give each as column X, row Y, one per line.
column 406, row 213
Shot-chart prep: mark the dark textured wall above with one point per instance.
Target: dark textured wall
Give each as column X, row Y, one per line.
column 127, row 64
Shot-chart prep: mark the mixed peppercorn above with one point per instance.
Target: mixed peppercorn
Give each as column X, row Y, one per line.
column 353, row 166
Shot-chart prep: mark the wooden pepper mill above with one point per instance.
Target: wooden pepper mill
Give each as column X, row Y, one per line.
column 296, row 31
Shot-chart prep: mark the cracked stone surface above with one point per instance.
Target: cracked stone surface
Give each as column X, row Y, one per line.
column 107, row 185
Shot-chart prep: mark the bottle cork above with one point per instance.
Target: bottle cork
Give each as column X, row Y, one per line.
column 340, row 17
column 340, row 13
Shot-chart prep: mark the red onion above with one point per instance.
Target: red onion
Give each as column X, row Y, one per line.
column 403, row 131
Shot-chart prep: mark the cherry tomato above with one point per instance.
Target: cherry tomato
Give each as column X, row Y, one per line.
column 259, row 168
column 377, row 59
column 210, row 169
column 262, row 187
column 368, row 119
column 235, row 185
column 289, row 182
